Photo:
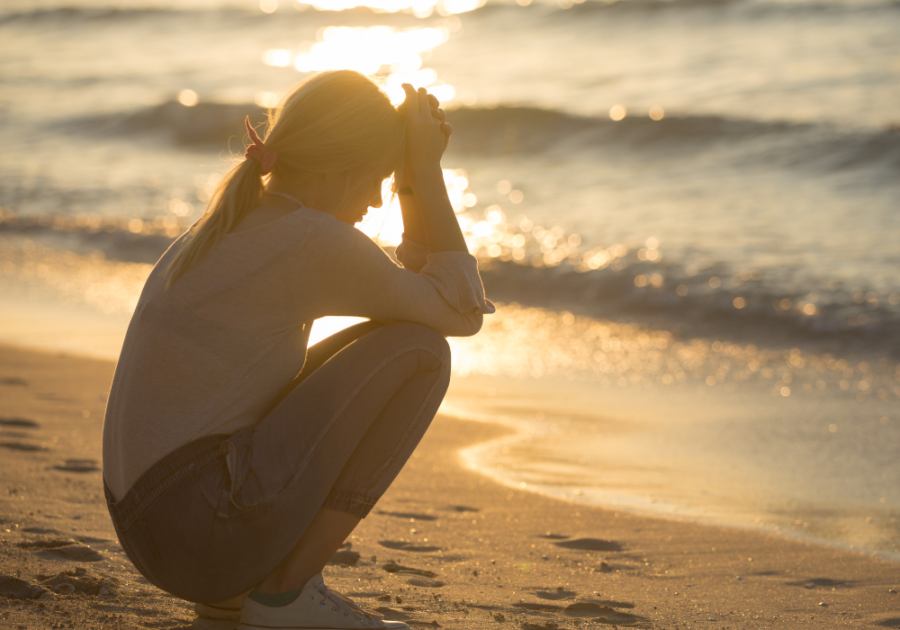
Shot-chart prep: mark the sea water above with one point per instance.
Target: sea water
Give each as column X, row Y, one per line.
column 687, row 210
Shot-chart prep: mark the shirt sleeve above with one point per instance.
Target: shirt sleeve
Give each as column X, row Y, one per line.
column 348, row 274
column 412, row 254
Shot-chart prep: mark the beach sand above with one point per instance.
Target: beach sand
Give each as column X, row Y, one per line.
column 446, row 546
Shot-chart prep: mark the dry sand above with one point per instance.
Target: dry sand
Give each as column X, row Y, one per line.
column 446, row 547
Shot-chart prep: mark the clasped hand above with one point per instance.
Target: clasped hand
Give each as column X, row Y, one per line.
column 427, row 134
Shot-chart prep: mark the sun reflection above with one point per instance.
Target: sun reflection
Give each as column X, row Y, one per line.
column 188, row 98
column 385, row 224
column 267, row 99
column 420, row 8
column 532, row 342
column 376, row 50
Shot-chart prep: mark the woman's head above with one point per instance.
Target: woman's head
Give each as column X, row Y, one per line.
column 335, row 122
column 336, row 127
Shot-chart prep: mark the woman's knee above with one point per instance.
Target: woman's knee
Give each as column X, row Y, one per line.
column 422, row 337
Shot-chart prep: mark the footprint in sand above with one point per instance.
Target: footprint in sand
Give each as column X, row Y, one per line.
column 410, row 515
column 53, row 397
column 78, row 581
column 549, row 536
column 14, row 588
column 590, row 544
column 822, row 582
column 614, row 604
column 603, row 614
column 393, row 567
column 345, row 557
column 22, row 446
column 400, row 545
column 463, row 508
column 559, row 593
column 79, row 466
column 72, row 552
column 537, row 607
column 15, row 435
column 19, row 422
column 425, row 583
column 61, row 549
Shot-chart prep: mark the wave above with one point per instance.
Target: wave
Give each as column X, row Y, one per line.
column 831, row 319
column 500, row 128
column 667, row 294
column 204, row 123
column 71, row 15
column 516, row 130
column 122, row 240
column 747, row 7
column 784, row 143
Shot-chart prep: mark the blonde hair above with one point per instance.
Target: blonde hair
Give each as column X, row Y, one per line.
column 334, row 122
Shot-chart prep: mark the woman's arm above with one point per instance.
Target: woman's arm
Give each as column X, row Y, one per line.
column 429, row 214
column 346, row 273
column 413, row 228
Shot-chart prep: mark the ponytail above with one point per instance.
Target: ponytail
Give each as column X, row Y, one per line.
column 238, row 192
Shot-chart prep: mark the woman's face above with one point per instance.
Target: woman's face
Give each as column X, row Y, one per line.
column 368, row 195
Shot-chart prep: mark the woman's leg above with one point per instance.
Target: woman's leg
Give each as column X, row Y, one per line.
column 309, row 556
column 319, row 353
column 306, row 553
column 320, row 460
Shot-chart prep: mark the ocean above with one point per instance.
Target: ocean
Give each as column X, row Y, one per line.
column 687, row 210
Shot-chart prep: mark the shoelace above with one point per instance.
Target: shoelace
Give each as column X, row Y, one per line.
column 339, row 601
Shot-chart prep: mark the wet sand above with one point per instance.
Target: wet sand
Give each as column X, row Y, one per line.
column 446, row 546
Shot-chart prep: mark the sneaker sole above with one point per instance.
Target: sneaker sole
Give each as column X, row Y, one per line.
column 389, row 625
column 211, row 612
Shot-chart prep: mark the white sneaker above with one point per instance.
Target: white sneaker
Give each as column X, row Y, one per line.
column 316, row 608
column 207, row 611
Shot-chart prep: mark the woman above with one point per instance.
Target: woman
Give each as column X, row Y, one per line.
column 234, row 460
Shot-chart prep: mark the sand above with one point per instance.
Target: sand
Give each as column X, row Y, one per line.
column 446, row 547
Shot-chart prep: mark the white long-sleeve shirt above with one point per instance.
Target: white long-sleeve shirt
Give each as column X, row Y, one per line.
column 211, row 354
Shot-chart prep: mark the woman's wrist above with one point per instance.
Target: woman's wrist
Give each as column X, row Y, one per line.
column 426, row 177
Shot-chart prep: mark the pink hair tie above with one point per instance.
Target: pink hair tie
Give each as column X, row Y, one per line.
column 258, row 150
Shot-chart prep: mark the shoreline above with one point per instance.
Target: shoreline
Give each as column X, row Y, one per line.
column 445, row 547
column 654, row 509
column 627, row 470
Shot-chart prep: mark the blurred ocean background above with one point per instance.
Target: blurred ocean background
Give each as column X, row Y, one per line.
column 688, row 211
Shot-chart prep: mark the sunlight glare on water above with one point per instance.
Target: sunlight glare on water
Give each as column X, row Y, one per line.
column 385, row 224
column 420, row 8
column 522, row 342
column 394, row 55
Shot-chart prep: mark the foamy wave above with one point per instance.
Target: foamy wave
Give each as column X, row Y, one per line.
column 515, row 130
column 70, row 15
column 204, row 123
column 125, row 240
column 675, row 297
column 617, row 283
